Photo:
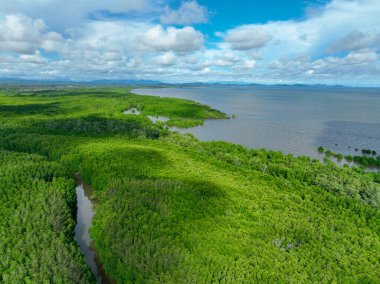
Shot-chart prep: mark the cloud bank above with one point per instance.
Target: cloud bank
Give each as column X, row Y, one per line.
column 147, row 39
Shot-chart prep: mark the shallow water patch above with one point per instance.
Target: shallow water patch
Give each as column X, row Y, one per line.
column 156, row 119
column 132, row 111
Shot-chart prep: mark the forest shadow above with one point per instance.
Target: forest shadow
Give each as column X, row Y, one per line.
column 95, row 126
column 30, row 109
column 97, row 93
column 127, row 161
column 145, row 174
column 159, row 219
column 177, row 199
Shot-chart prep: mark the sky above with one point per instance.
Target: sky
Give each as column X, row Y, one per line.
column 174, row 41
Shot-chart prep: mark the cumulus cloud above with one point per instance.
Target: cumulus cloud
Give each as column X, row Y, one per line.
column 314, row 35
column 35, row 58
column 246, row 38
column 355, row 41
column 61, row 15
column 354, row 58
column 249, row 64
column 221, row 58
column 188, row 13
column 21, row 34
column 335, row 69
column 172, row 39
column 168, row 58
column 228, row 57
column 302, row 49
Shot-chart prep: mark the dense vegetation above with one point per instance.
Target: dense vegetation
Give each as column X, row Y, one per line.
column 174, row 210
column 37, row 206
column 365, row 160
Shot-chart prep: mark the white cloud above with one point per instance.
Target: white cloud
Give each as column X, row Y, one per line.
column 309, row 73
column 247, row 38
column 188, row 13
column 355, row 41
column 340, row 43
column 172, row 39
column 300, row 50
column 168, row 58
column 228, row 57
column 19, row 33
column 221, row 58
column 35, row 58
column 61, row 15
column 335, row 69
column 50, row 73
column 354, row 58
column 313, row 36
column 249, row 64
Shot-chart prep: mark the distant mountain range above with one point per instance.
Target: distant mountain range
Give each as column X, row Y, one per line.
column 70, row 82
column 132, row 82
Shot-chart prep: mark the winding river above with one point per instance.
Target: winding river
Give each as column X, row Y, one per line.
column 85, row 214
column 84, row 222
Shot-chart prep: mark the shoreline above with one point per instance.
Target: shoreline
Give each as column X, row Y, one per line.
column 193, row 131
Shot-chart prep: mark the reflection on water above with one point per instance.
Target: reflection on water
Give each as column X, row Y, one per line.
column 293, row 120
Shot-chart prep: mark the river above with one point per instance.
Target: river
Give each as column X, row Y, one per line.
column 85, row 214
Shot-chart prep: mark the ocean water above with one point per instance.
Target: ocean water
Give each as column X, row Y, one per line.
column 294, row 120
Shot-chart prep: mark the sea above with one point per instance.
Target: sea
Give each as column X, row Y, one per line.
column 291, row 119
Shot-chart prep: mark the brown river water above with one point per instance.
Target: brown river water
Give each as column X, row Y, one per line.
column 85, row 214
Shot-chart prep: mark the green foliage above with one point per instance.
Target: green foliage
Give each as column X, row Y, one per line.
column 349, row 158
column 95, row 126
column 364, row 160
column 367, row 161
column 185, row 123
column 369, row 152
column 173, row 108
column 171, row 209
column 37, row 208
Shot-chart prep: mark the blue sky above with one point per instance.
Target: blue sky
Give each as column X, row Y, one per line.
column 229, row 14
column 273, row 41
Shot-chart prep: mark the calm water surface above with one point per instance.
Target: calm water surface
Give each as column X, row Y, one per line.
column 85, row 214
column 290, row 119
